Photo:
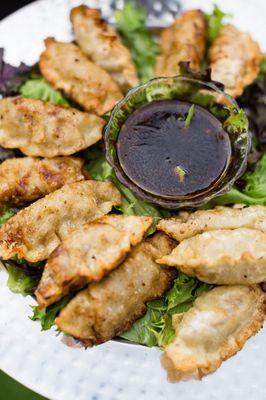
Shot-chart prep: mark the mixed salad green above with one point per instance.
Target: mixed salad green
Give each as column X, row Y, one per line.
column 155, row 327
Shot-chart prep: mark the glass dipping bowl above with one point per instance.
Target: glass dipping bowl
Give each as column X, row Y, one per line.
column 205, row 94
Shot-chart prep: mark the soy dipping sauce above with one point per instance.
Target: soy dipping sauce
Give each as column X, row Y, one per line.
column 173, row 149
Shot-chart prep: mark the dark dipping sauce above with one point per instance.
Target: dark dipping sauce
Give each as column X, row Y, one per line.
column 162, row 156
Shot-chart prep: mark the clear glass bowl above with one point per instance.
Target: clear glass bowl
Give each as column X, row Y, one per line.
column 205, row 94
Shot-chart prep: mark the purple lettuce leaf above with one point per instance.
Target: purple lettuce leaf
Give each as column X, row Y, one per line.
column 11, row 77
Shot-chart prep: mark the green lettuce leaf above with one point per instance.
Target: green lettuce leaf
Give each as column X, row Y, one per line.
column 22, row 262
column 263, row 67
column 256, row 181
column 38, row 88
column 155, row 328
column 6, row 213
column 20, row 281
column 100, row 170
column 215, row 22
column 131, row 24
column 47, row 316
column 254, row 193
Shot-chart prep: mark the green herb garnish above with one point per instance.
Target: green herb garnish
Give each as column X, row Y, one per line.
column 181, row 172
column 189, row 115
column 237, row 121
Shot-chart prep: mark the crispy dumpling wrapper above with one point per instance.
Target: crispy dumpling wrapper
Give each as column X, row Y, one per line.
column 110, row 307
column 102, row 44
column 23, row 180
column 214, row 329
column 67, row 68
column 89, row 253
column 37, row 230
column 44, row 129
column 234, row 59
column 187, row 224
column 223, row 256
column 185, row 40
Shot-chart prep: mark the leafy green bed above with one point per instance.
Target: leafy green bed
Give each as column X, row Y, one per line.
column 155, row 328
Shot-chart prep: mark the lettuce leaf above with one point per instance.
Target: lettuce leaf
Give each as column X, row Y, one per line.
column 254, row 192
column 5, row 154
column 20, row 281
column 27, row 264
column 253, row 101
column 262, row 68
column 155, row 328
column 215, row 22
column 256, row 181
column 100, row 170
column 11, row 77
column 131, row 24
column 38, row 88
column 47, row 316
column 6, row 213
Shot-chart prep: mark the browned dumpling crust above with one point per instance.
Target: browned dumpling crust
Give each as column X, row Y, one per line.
column 234, row 59
column 102, row 44
column 110, row 307
column 214, row 329
column 89, row 253
column 23, row 180
column 34, row 232
column 185, row 40
column 187, row 224
column 67, row 68
column 235, row 256
column 43, row 129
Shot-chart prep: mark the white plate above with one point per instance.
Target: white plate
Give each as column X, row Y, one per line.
column 114, row 370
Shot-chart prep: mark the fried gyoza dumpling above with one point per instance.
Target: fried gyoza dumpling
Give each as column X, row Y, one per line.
column 185, row 40
column 227, row 257
column 214, row 329
column 186, row 224
column 26, row 179
column 89, row 253
column 67, row 68
column 100, row 42
column 37, row 230
column 44, row 129
column 234, row 59
column 109, row 307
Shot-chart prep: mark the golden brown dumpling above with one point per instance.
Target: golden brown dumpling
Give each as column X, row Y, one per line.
column 67, row 68
column 34, row 232
column 214, row 329
column 223, row 256
column 110, row 307
column 101, row 43
column 43, row 129
column 25, row 179
column 89, row 253
column 185, row 40
column 234, row 59
column 187, row 224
